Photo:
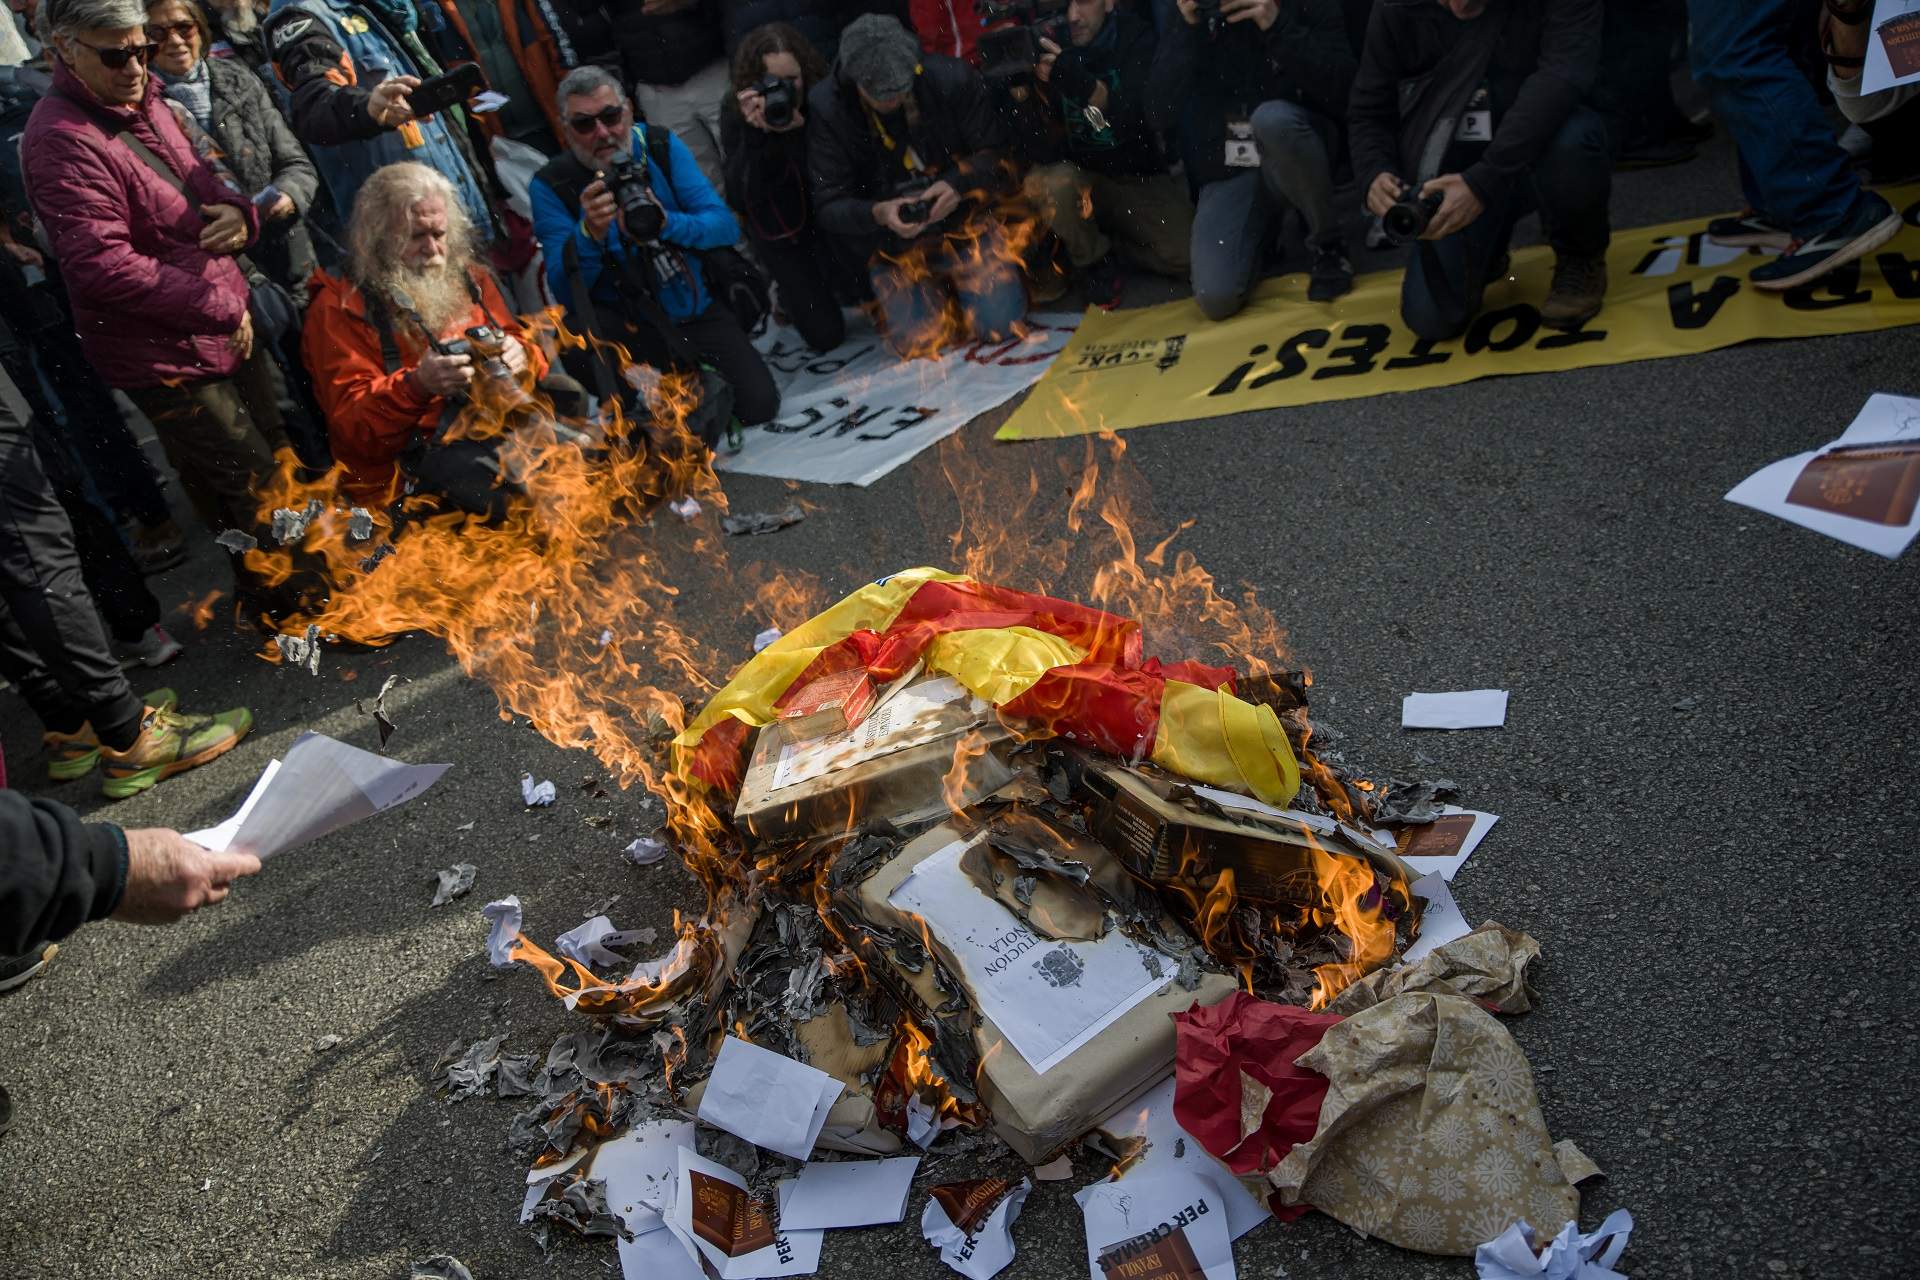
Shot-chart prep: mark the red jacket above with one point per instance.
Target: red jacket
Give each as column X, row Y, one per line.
column 951, row 27
column 372, row 415
column 151, row 306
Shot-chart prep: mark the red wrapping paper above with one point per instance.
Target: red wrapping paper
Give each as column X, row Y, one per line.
column 1216, row 1045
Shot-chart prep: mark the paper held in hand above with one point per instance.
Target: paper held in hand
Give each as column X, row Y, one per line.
column 322, row 786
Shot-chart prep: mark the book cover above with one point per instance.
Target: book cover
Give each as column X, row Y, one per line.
column 1876, row 483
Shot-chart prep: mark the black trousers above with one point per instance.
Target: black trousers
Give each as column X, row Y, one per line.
column 51, row 645
column 719, row 340
column 805, row 270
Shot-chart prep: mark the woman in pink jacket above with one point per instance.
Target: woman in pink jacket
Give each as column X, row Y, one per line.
column 145, row 231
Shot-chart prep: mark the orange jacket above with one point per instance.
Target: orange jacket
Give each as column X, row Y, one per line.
column 372, row 415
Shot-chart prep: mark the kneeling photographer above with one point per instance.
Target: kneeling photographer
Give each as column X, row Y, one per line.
column 763, row 133
column 632, row 234
column 413, row 333
column 900, row 145
column 1466, row 116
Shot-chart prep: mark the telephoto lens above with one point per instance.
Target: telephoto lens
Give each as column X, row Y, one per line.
column 1408, row 218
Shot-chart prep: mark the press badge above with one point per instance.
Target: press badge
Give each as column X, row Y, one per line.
column 1241, row 151
column 1476, row 124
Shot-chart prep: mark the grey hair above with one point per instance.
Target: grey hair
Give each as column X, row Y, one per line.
column 581, row 81
column 377, row 231
column 65, row 17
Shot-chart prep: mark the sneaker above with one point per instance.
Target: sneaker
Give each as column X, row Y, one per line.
column 1747, row 230
column 154, row 648
column 1578, row 290
column 1872, row 223
column 74, row 754
column 22, row 969
column 169, row 743
column 157, row 547
column 1332, row 274
column 1102, row 283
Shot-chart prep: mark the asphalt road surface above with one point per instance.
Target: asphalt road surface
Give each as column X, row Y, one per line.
column 1705, row 787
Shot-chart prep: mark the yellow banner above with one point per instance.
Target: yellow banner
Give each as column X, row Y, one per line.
column 1671, row 293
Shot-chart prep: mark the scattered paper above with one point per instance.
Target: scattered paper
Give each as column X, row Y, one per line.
column 301, row 650
column 971, row 1224
column 687, row 508
column 923, row 1122
column 719, row 1223
column 646, row 851
column 591, row 942
column 486, row 100
column 505, row 916
column 322, row 786
column 359, row 524
column 639, row 1168
column 1047, row 997
column 237, row 541
column 454, row 881
column 326, row 1044
column 441, row 1266
column 1445, row 844
column 1863, row 489
column 1058, row 1169
column 536, row 794
column 766, row 638
column 1171, row 1225
column 606, row 638
column 1171, row 1149
column 290, row 525
column 755, row 522
column 847, row 1193
column 1441, row 922
column 1471, row 709
column 541, row 1177
column 1893, row 47
column 379, row 712
column 768, row 1098
column 465, row 826
column 657, row 1255
column 1569, row 1256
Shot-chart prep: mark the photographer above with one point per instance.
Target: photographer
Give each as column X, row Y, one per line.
column 899, row 143
column 1113, row 181
column 1466, row 115
column 762, row 128
column 385, row 390
column 622, row 218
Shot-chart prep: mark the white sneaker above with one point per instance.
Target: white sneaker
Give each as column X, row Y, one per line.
column 155, row 648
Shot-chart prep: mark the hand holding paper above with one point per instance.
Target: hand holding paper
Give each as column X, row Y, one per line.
column 322, row 786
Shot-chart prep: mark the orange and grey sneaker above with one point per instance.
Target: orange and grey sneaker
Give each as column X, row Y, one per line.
column 73, row 755
column 170, row 742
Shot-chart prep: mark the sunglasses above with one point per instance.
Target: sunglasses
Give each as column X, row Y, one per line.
column 115, row 59
column 606, row 118
column 186, row 31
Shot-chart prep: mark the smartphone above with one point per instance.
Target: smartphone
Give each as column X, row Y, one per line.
column 447, row 90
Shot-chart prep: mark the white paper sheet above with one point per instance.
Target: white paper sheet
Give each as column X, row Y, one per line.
column 791, row 1253
column 536, row 795
column 847, row 1193
column 1234, row 800
column 538, row 1178
column 1171, row 1149
column 591, row 942
column 639, row 1169
column 768, row 1098
column 1441, row 922
column 1568, row 1256
column 1047, row 997
column 504, row 918
column 322, row 786
column 1467, row 709
column 978, row 1250
column 1447, row 842
column 851, row 415
column 1166, row 1225
column 1893, row 420
column 890, row 727
column 1879, row 74
column 657, row 1255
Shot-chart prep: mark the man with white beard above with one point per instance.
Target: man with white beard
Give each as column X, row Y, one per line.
column 411, row 277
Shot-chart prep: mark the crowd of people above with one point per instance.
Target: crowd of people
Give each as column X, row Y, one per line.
column 317, row 226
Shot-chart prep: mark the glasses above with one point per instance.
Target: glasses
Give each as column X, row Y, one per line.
column 605, row 118
column 115, row 59
column 185, row 31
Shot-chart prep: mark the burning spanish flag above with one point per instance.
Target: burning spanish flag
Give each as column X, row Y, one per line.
column 1060, row 668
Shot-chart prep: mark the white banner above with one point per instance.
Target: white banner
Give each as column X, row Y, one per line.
column 851, row 415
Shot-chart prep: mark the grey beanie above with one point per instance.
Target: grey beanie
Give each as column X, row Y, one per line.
column 879, row 55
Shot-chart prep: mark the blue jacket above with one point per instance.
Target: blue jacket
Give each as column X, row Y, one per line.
column 696, row 219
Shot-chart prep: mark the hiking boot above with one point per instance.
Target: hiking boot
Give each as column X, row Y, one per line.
column 154, row 648
column 1332, row 274
column 157, row 547
column 22, row 969
column 74, row 754
column 170, row 743
column 1748, row 230
column 1102, row 282
column 1579, row 288
column 1872, row 223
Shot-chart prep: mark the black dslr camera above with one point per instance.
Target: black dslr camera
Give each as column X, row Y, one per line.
column 626, row 180
column 1210, row 18
column 780, row 96
column 1407, row 220
column 1012, row 31
column 919, row 209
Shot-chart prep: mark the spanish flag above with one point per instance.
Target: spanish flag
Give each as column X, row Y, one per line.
column 1054, row 666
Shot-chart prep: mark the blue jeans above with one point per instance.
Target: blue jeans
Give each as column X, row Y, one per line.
column 1569, row 184
column 1791, row 167
column 1234, row 216
column 977, row 279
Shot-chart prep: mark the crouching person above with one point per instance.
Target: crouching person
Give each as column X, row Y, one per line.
column 395, row 349
column 899, row 144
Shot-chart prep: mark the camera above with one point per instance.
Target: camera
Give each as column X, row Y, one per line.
column 1408, row 218
column 626, row 181
column 1210, row 18
column 780, row 96
column 916, row 211
column 1012, row 31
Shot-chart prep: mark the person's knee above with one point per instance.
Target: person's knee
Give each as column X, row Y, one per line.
column 993, row 311
column 1218, row 300
column 755, row 397
column 1282, row 126
column 1430, row 319
column 1579, row 144
column 1054, row 189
